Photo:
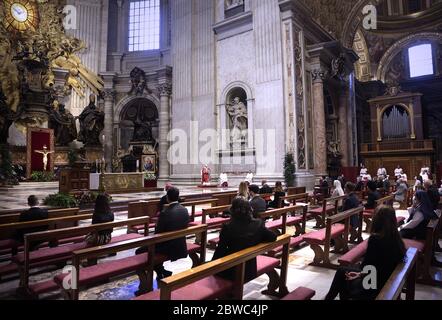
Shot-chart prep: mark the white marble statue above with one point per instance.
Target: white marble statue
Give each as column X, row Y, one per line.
column 45, row 154
column 238, row 115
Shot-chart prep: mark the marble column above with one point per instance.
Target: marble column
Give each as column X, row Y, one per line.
column 165, row 90
column 319, row 129
column 344, row 137
column 108, row 131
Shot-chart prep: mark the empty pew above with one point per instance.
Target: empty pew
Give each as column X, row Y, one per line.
column 143, row 208
column 224, row 198
column 59, row 255
column 8, row 230
column 142, row 264
column 296, row 199
column 404, row 276
column 329, row 207
column 296, row 190
column 202, row 283
column 319, row 241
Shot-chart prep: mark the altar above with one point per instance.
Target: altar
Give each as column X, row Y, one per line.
column 117, row 182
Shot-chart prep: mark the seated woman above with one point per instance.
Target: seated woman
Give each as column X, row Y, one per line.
column 384, row 252
column 338, row 191
column 373, row 195
column 421, row 213
column 279, row 193
column 243, row 190
column 240, row 233
column 102, row 214
column 401, row 194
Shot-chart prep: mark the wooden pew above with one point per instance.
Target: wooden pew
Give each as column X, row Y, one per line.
column 225, row 198
column 142, row 264
column 143, row 208
column 198, row 202
column 8, row 230
column 296, row 199
column 334, row 230
column 296, row 190
column 15, row 217
column 201, row 283
column 424, row 247
column 61, row 254
column 329, row 207
column 404, row 276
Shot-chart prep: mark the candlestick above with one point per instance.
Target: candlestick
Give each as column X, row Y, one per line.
column 138, row 165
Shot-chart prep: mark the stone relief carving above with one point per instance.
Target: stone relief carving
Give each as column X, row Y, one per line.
column 230, row 4
column 139, row 82
column 338, row 67
column 237, row 112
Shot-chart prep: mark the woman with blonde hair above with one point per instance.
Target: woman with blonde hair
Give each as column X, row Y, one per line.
column 243, row 190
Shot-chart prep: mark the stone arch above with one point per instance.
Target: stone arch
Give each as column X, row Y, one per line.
column 119, row 107
column 398, row 46
column 237, row 84
column 354, row 21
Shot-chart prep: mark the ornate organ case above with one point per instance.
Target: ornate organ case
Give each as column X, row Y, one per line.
column 397, row 135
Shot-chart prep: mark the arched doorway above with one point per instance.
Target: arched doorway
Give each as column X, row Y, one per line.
column 138, row 111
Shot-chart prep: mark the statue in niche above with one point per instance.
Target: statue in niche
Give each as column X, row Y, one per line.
column 237, row 112
column 63, row 123
column 333, row 148
column 91, row 124
column 338, row 67
column 229, row 4
column 142, row 131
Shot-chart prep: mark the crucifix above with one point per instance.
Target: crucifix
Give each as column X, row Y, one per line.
column 45, row 154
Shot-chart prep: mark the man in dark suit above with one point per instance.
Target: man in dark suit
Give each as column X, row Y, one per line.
column 33, row 214
column 265, row 188
column 175, row 217
column 433, row 193
column 257, row 203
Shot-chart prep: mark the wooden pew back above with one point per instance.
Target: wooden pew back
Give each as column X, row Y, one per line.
column 236, row 260
column 148, row 241
column 224, row 198
column 213, row 212
column 388, row 201
column 276, row 214
column 403, row 276
column 197, row 202
column 8, row 230
column 296, row 190
column 302, row 197
column 15, row 217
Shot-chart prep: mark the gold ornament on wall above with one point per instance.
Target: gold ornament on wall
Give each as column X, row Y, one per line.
column 21, row 15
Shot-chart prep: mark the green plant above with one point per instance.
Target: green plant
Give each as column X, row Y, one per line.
column 41, row 176
column 289, row 170
column 72, row 157
column 89, row 197
column 62, row 200
column 150, row 176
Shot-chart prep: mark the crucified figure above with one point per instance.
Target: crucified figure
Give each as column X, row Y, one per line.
column 45, row 154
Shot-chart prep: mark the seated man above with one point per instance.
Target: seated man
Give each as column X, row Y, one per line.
column 265, row 188
column 174, row 218
column 433, row 193
column 33, row 214
column 257, row 203
column 373, row 195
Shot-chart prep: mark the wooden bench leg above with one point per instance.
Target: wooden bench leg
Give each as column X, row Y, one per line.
column 319, row 255
column 196, row 261
column 368, row 223
column 274, row 285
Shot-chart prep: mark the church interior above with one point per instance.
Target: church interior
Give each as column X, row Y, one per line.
column 221, row 149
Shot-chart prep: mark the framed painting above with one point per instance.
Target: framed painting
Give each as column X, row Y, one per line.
column 149, row 163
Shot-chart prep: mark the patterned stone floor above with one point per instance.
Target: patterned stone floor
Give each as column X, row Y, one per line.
column 299, row 273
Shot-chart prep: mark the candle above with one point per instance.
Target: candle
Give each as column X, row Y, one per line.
column 138, row 165
column 104, row 138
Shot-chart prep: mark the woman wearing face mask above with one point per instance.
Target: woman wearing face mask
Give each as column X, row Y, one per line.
column 421, row 213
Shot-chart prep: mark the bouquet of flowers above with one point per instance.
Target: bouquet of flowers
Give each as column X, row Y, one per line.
column 150, row 176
